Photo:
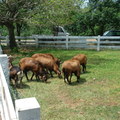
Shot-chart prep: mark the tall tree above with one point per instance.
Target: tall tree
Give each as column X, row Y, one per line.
column 14, row 11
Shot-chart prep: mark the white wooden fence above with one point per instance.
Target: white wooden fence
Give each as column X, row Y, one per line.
column 7, row 107
column 7, row 111
column 67, row 42
column 24, row 109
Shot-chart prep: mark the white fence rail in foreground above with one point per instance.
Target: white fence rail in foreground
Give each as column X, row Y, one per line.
column 24, row 109
column 67, row 42
column 7, row 111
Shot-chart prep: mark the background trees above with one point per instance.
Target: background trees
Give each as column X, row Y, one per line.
column 53, row 13
column 97, row 17
column 27, row 17
column 37, row 13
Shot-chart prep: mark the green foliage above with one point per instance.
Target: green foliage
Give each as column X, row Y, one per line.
column 54, row 12
column 98, row 17
column 15, row 50
column 13, row 12
column 39, row 16
column 3, row 31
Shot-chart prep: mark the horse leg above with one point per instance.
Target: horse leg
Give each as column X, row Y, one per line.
column 69, row 80
column 77, row 74
column 26, row 75
column 32, row 76
column 83, row 68
column 51, row 73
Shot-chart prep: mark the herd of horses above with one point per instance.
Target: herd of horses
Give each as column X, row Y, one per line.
column 43, row 64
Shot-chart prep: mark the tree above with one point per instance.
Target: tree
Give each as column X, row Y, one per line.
column 105, row 13
column 97, row 17
column 54, row 12
column 12, row 12
column 37, row 13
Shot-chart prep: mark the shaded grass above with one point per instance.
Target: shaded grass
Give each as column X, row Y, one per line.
column 96, row 97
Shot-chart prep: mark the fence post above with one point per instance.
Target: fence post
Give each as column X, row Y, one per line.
column 1, row 50
column 36, row 40
column 7, row 40
column 67, row 41
column 98, row 43
column 27, row 109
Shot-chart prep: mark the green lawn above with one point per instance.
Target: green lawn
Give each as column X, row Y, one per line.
column 96, row 97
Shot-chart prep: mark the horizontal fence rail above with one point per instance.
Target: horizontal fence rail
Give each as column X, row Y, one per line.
column 66, row 42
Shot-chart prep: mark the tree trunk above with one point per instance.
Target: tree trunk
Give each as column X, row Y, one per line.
column 18, row 28
column 12, row 42
column 18, row 31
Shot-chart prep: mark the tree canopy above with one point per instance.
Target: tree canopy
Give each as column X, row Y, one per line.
column 14, row 11
column 92, row 18
column 37, row 12
column 97, row 17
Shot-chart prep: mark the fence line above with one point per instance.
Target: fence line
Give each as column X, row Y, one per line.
column 67, row 42
column 7, row 104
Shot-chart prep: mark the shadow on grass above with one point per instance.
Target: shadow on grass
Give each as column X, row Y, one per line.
column 24, row 86
column 20, row 87
column 40, row 81
column 15, row 91
column 81, row 81
column 87, row 72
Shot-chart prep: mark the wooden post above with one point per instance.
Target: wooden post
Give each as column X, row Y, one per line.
column 7, row 40
column 1, row 52
column 98, row 43
column 36, row 41
column 67, row 41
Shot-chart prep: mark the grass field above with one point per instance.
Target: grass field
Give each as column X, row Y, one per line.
column 96, row 97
